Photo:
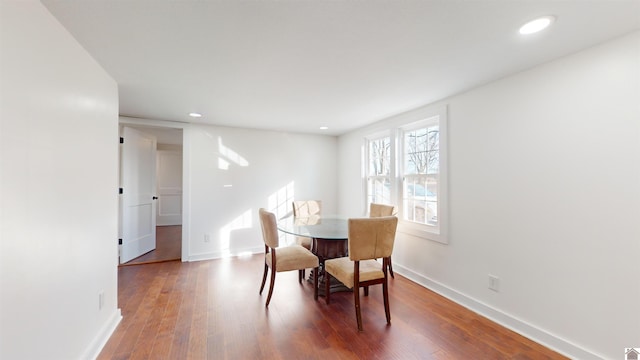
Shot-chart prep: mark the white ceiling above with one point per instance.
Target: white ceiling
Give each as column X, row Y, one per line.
column 296, row 65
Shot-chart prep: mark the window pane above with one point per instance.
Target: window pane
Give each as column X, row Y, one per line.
column 421, row 151
column 379, row 190
column 421, row 171
column 431, row 200
column 421, row 199
column 379, row 156
column 379, row 170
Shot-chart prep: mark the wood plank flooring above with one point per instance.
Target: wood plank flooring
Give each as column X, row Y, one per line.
column 168, row 246
column 212, row 310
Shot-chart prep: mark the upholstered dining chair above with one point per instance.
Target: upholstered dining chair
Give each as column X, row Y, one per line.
column 368, row 239
column 377, row 210
column 306, row 208
column 285, row 258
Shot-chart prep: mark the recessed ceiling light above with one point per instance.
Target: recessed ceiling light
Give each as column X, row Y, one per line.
column 536, row 25
column 195, row 114
column 324, row 127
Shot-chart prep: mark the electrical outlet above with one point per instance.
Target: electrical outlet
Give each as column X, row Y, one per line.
column 494, row 283
column 207, row 238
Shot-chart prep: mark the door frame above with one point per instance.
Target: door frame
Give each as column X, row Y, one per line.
column 186, row 179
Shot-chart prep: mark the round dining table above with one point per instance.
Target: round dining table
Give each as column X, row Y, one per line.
column 329, row 233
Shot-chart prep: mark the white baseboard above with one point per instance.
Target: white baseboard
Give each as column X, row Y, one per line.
column 523, row 328
column 103, row 336
column 220, row 254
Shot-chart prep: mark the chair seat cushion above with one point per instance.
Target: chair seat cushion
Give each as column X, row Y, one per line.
column 293, row 257
column 342, row 269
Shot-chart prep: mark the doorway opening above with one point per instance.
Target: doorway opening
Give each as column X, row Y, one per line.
column 167, row 193
column 168, row 246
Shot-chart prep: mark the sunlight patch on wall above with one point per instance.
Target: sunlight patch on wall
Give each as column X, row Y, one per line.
column 230, row 155
column 280, row 203
column 244, row 221
column 223, row 164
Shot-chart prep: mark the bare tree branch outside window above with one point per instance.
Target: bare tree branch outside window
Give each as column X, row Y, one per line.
column 379, row 156
column 422, row 151
column 378, row 187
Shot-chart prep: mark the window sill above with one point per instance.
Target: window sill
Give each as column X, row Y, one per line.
column 422, row 232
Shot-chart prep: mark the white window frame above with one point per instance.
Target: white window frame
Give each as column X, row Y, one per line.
column 396, row 131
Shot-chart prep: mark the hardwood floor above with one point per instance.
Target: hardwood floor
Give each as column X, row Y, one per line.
column 212, row 310
column 168, row 246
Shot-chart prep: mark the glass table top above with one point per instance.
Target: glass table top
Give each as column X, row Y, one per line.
column 320, row 227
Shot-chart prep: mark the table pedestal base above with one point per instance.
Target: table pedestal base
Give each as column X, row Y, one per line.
column 336, row 286
column 326, row 249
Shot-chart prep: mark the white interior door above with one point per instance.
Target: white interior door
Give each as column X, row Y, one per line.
column 169, row 175
column 138, row 169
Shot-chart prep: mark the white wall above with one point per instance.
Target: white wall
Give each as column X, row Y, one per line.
column 228, row 215
column 544, row 189
column 59, row 113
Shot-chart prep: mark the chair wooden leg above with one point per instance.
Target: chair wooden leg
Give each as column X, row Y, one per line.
column 391, row 269
column 303, row 275
column 366, row 291
column 356, row 300
column 300, row 276
column 385, row 295
column 264, row 278
column 356, row 292
column 327, row 286
column 273, row 282
column 315, row 284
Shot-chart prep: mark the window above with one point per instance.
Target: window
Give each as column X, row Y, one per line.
column 417, row 187
column 379, row 170
column 421, row 166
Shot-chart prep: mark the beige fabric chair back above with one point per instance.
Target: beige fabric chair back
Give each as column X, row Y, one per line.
column 307, row 208
column 372, row 238
column 269, row 228
column 378, row 210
